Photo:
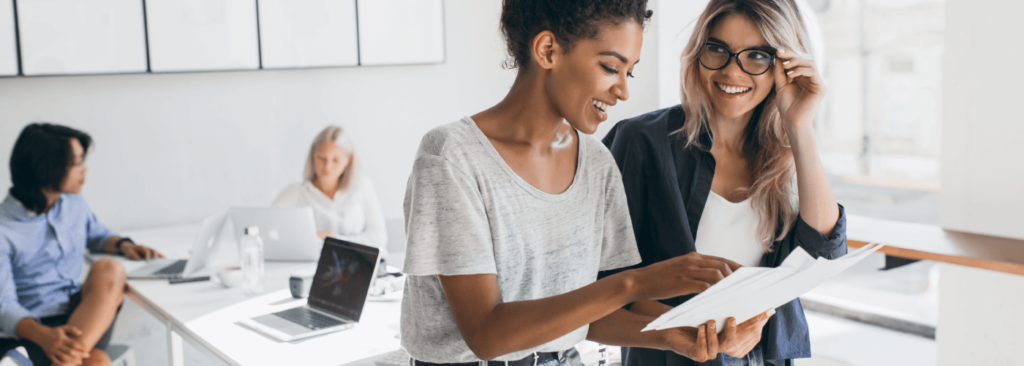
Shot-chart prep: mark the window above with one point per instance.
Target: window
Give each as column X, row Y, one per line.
column 881, row 122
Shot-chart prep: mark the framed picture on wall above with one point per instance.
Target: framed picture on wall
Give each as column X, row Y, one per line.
column 74, row 37
column 401, row 32
column 8, row 40
column 65, row 37
column 308, row 33
column 202, row 35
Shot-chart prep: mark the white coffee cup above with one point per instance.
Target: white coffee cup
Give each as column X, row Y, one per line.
column 300, row 282
column 230, row 277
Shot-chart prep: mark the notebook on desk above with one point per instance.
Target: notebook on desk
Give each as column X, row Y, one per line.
column 339, row 291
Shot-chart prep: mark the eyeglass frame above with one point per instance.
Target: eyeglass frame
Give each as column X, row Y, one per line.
column 737, row 56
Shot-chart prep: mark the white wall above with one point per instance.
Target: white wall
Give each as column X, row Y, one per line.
column 979, row 316
column 982, row 175
column 677, row 21
column 174, row 148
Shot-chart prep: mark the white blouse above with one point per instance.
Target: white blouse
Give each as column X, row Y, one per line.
column 729, row 230
column 353, row 214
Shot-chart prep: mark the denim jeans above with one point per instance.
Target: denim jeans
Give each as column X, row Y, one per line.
column 571, row 358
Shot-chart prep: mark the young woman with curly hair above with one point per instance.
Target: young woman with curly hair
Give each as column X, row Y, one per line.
column 511, row 213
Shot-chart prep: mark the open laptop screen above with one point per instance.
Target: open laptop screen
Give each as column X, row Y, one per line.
column 343, row 278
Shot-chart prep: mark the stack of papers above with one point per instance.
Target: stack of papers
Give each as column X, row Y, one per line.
column 752, row 291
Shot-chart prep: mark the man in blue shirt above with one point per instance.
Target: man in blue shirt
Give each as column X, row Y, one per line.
column 45, row 227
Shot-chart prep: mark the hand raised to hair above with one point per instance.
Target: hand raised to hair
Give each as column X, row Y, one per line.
column 799, row 89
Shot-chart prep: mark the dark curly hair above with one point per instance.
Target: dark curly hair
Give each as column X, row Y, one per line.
column 569, row 20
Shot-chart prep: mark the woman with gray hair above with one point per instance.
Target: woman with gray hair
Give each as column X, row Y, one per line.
column 344, row 202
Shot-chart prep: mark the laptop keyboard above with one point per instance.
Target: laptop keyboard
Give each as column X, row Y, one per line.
column 309, row 318
column 175, row 268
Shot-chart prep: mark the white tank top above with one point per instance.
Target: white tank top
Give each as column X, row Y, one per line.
column 729, row 230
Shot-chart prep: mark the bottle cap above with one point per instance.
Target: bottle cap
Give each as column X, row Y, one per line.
column 252, row 230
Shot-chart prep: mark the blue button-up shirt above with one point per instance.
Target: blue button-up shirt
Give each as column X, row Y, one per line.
column 41, row 257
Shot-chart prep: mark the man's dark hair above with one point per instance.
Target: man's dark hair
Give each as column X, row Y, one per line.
column 569, row 20
column 41, row 159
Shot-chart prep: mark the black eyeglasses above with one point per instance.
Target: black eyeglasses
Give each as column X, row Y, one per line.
column 752, row 61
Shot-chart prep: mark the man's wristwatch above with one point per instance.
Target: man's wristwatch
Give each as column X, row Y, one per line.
column 122, row 241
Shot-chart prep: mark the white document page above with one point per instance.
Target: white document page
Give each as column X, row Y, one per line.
column 756, row 290
column 731, row 288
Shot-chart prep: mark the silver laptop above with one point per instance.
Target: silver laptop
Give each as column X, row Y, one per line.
column 339, row 290
column 206, row 243
column 288, row 233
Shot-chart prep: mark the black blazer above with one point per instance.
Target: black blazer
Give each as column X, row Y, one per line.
column 667, row 185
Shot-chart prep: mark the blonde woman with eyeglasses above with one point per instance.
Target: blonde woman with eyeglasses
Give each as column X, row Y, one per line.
column 734, row 171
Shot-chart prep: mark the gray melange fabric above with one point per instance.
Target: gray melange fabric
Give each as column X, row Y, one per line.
column 467, row 212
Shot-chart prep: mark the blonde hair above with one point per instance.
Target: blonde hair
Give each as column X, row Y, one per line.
column 765, row 145
column 337, row 136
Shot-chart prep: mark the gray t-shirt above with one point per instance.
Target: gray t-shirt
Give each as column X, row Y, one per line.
column 468, row 212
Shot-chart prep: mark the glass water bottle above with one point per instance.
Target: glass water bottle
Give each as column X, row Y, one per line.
column 251, row 252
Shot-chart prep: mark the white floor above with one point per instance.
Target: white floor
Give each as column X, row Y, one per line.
column 909, row 293
column 841, row 342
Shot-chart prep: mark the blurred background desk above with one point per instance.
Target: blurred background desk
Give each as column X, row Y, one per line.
column 199, row 318
column 980, row 289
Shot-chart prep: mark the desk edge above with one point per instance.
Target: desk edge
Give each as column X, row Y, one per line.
column 987, row 264
column 174, row 324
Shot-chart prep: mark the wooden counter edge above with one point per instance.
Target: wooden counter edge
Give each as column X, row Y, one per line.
column 987, row 264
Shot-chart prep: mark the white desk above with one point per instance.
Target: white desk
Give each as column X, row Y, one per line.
column 204, row 313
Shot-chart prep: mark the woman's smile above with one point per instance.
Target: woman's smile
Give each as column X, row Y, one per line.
column 601, row 108
column 732, row 89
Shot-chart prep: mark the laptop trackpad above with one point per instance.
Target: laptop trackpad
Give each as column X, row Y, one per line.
column 284, row 326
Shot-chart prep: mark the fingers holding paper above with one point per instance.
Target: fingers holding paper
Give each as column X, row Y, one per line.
column 738, row 340
column 705, row 343
column 694, row 343
column 683, row 275
column 749, row 290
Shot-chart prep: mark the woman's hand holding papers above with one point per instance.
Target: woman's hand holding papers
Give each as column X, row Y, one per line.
column 683, row 275
column 737, row 341
column 695, row 273
column 694, row 343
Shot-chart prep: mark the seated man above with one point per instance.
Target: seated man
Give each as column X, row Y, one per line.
column 45, row 226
